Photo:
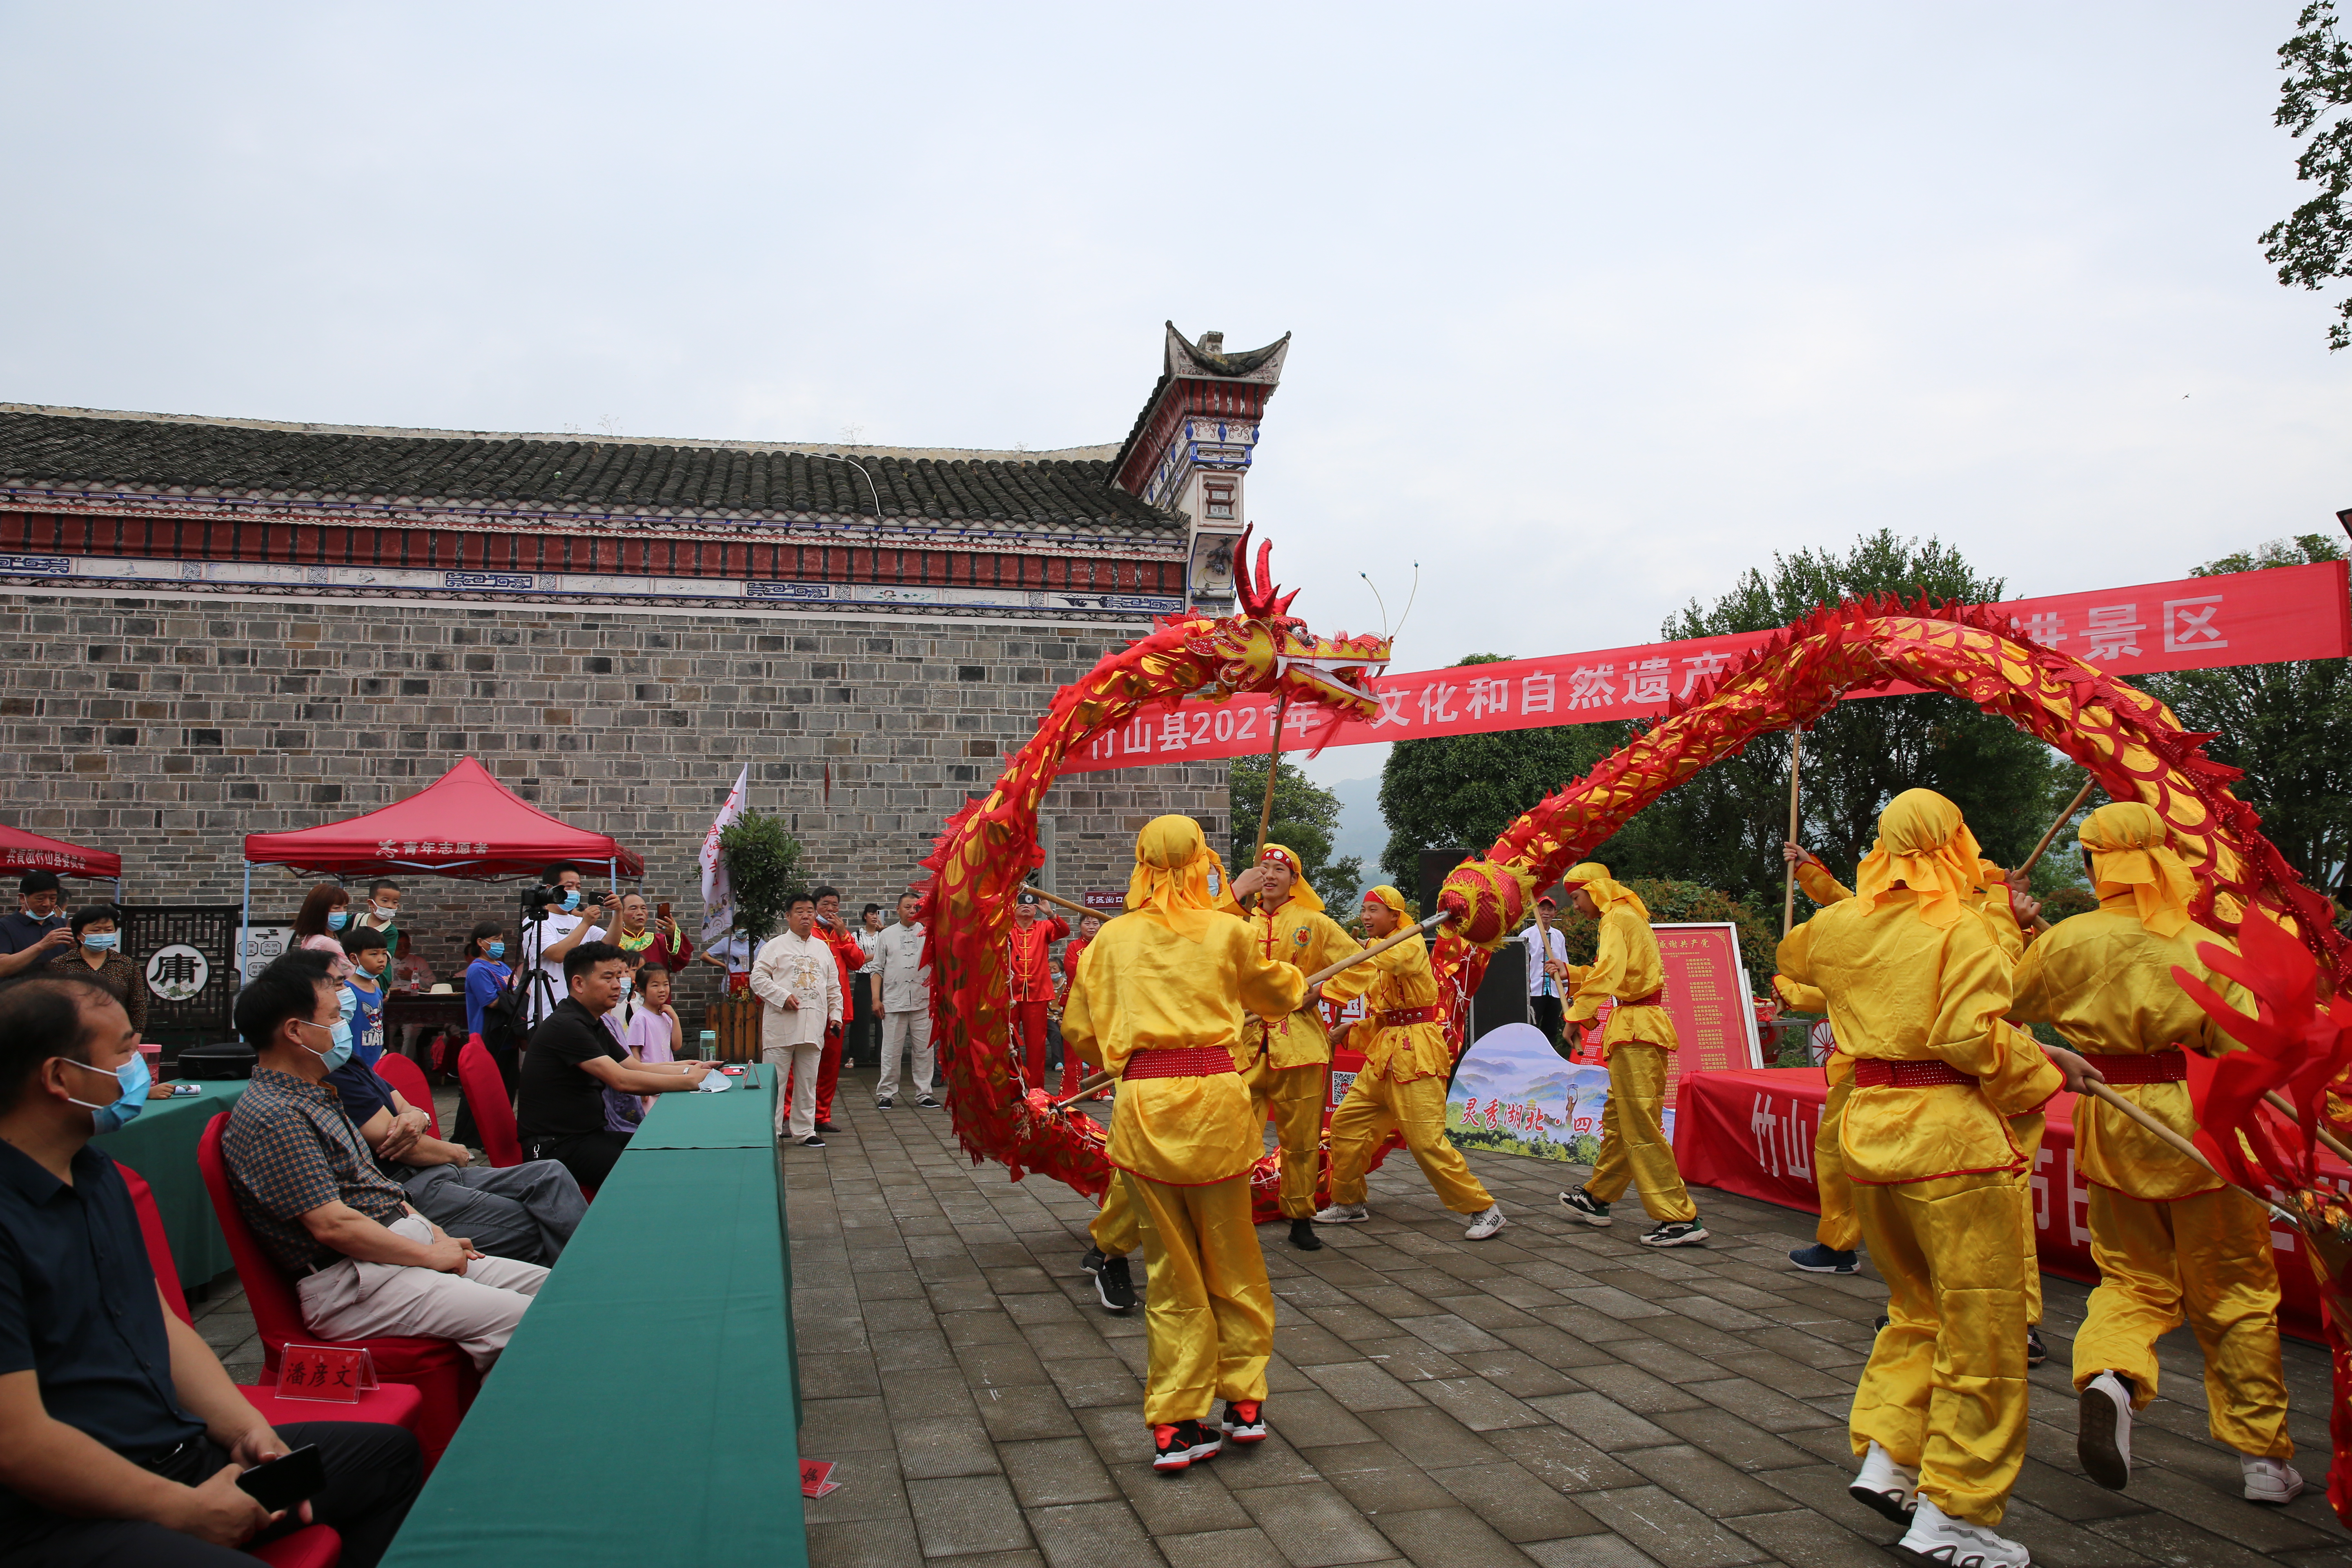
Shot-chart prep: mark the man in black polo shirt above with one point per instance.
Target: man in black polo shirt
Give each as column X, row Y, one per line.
column 572, row 1057
column 120, row 1434
column 37, row 931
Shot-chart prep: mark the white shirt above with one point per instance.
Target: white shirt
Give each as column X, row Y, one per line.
column 906, row 980
column 1539, row 982
column 802, row 969
column 537, row 938
column 869, row 943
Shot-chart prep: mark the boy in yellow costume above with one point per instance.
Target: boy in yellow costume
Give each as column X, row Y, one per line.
column 1402, row 1087
column 1918, row 985
column 2165, row 1232
column 1159, row 999
column 1640, row 1040
column 1288, row 1065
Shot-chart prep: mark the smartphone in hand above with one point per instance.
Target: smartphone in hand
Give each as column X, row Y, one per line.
column 280, row 1483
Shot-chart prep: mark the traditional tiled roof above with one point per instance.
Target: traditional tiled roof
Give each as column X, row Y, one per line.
column 1204, row 359
column 68, row 450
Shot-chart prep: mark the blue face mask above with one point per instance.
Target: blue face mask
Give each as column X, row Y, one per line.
column 338, row 920
column 134, row 1078
column 340, row 1051
column 570, row 899
column 495, row 949
column 100, row 941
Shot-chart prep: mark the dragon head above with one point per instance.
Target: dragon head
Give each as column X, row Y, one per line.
column 1266, row 648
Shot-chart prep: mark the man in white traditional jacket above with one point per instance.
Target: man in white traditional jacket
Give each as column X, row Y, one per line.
column 906, row 984
column 796, row 976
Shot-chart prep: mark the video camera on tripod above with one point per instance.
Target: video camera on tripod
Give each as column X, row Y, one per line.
column 535, row 901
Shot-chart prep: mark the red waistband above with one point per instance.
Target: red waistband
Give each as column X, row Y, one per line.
column 1875, row 1072
column 1189, row 1061
column 1400, row 1017
column 1654, row 999
column 2157, row 1066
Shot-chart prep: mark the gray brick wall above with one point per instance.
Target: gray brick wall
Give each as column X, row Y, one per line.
column 167, row 729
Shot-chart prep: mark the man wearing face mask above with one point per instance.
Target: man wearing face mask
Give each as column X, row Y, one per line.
column 120, row 1434
column 96, row 951
column 569, row 920
column 364, row 1262
column 37, row 932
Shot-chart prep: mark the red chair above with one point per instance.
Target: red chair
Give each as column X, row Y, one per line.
column 441, row 1372
column 408, row 1078
column 486, row 1095
column 394, row 1404
column 312, row 1546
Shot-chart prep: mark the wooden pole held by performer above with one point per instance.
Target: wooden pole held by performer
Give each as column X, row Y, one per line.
column 2184, row 1146
column 1272, row 771
column 1789, row 893
column 2064, row 817
column 2332, row 1144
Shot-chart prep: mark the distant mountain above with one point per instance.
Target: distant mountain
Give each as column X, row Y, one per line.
column 1362, row 830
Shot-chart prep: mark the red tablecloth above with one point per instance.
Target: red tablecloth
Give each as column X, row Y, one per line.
column 1751, row 1133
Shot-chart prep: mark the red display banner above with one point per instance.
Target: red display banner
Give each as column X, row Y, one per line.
column 1752, row 1134
column 2196, row 623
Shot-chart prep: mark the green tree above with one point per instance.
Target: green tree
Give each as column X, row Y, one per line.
column 1672, row 903
column 762, row 868
column 2288, row 725
column 1465, row 789
column 1306, row 819
column 2313, row 244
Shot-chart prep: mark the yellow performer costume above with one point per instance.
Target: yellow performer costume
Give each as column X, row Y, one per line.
column 1918, row 985
column 1287, row 1061
column 1838, row 1229
column 1402, row 1086
column 2169, row 1239
column 1639, row 1040
column 1159, row 999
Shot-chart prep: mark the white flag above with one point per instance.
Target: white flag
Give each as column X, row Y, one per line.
column 717, row 897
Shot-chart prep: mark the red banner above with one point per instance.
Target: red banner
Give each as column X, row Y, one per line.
column 2196, row 623
column 1752, row 1134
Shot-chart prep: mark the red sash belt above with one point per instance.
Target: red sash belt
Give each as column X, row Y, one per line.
column 1399, row 1018
column 1189, row 1061
column 1875, row 1072
column 1654, row 999
column 2157, row 1066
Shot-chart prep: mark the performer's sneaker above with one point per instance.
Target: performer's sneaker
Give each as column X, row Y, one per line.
column 1585, row 1206
column 1245, row 1421
column 1175, row 1448
column 826, row 1127
column 1112, row 1285
column 926, row 1103
column 1935, row 1541
column 1092, row 1261
column 1303, row 1236
column 1344, row 1213
column 2103, row 1441
column 1675, row 1232
column 2036, row 1352
column 2267, row 1480
column 1483, row 1225
column 812, row 1141
column 882, row 1105
column 1820, row 1259
column 1886, row 1486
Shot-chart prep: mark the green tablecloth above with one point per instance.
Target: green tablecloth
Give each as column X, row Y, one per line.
column 160, row 1145
column 712, row 1120
column 646, row 1410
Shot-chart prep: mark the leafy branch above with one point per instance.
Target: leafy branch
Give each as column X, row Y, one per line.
column 2313, row 244
column 763, row 868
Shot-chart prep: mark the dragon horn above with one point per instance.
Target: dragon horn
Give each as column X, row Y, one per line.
column 1243, row 589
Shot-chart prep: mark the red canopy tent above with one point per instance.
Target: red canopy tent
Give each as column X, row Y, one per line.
column 23, row 851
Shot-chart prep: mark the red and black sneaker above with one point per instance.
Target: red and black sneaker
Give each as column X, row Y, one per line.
column 1175, row 1448
column 1245, row 1421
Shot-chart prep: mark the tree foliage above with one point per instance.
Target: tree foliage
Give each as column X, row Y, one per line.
column 2288, row 725
column 2313, row 244
column 1673, row 903
column 762, row 868
column 1305, row 821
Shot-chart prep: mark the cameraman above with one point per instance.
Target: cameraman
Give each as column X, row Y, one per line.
column 559, row 920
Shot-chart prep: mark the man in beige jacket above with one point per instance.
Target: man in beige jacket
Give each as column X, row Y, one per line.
column 796, row 976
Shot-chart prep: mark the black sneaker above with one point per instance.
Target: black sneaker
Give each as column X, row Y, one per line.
column 826, row 1127
column 881, row 1105
column 1878, row 1323
column 928, row 1104
column 1175, row 1448
column 1303, row 1236
column 1820, row 1259
column 1245, row 1421
column 1093, row 1261
column 1675, row 1232
column 1112, row 1285
column 2036, row 1352
column 1585, row 1206
column 812, row 1141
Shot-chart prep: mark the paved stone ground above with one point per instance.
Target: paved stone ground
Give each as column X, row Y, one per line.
column 1556, row 1393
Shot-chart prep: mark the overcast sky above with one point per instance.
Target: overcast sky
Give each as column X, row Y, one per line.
column 1594, row 305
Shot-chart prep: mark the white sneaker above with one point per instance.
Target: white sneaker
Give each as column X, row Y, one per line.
column 2270, row 1480
column 1886, row 1486
column 2103, row 1437
column 1344, row 1213
column 1935, row 1541
column 1483, row 1225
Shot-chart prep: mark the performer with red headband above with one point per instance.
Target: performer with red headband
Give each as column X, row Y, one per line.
column 1288, row 1062
column 1159, row 1000
column 1402, row 1087
column 1639, row 1040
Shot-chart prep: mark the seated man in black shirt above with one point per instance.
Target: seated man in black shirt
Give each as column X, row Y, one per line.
column 525, row 1212
column 120, row 1434
column 573, row 1056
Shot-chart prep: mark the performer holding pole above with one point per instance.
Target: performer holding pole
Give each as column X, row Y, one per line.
column 1788, row 892
column 2170, row 1239
column 1402, row 1086
column 1639, row 1038
column 1159, row 999
column 1287, row 1067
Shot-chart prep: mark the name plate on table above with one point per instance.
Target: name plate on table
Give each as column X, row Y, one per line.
column 330, row 1374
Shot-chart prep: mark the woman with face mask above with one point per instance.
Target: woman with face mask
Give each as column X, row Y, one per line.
column 320, row 925
column 96, row 952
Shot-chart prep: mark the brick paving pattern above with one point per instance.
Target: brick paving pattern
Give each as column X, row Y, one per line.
column 1558, row 1393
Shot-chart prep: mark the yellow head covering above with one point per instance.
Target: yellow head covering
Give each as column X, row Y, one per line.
column 1389, row 896
column 1305, row 897
column 1607, row 893
column 1178, row 881
column 1924, row 844
column 2130, row 847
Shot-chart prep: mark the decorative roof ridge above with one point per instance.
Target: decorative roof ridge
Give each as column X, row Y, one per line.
column 1263, row 365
